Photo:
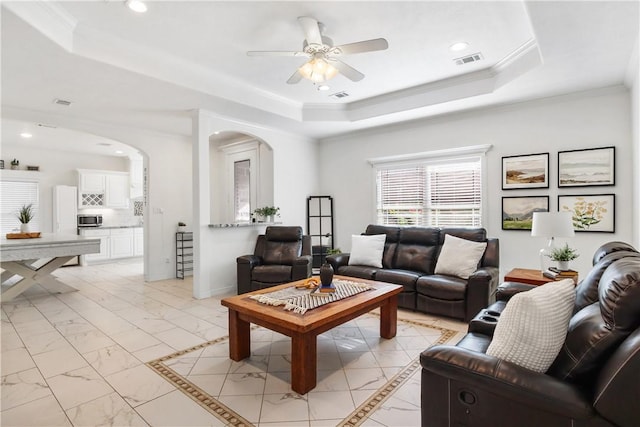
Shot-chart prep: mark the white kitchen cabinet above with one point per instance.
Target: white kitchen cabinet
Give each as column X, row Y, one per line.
column 103, row 189
column 92, row 182
column 138, row 241
column 121, row 243
column 117, row 190
column 103, row 235
column 136, row 174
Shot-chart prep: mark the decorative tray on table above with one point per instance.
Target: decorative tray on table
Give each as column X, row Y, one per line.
column 32, row 235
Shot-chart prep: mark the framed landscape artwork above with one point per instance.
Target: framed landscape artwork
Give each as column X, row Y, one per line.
column 585, row 168
column 517, row 212
column 592, row 212
column 529, row 171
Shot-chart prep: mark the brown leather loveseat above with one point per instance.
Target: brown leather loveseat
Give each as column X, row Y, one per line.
column 593, row 382
column 409, row 259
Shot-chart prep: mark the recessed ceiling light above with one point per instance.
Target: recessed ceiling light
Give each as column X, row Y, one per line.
column 323, row 87
column 216, row 132
column 136, row 6
column 456, row 47
column 26, row 135
column 119, row 152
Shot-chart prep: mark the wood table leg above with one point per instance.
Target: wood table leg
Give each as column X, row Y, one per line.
column 239, row 337
column 389, row 317
column 304, row 365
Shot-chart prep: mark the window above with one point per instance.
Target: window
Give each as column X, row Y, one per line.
column 15, row 194
column 438, row 192
column 242, row 190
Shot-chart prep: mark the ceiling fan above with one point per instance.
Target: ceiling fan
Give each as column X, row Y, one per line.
column 323, row 56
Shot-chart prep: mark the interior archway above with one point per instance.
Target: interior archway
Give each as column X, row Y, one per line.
column 241, row 176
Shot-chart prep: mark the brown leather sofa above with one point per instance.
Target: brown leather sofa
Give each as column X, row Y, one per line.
column 593, row 382
column 409, row 259
column 282, row 254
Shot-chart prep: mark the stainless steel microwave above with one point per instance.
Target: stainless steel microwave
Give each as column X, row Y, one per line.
column 89, row 220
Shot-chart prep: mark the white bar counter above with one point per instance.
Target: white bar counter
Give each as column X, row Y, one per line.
column 21, row 257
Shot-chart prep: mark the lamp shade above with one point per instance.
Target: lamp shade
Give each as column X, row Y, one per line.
column 552, row 224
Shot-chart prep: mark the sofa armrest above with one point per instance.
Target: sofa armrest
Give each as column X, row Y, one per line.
column 244, row 265
column 301, row 267
column 506, row 380
column 508, row 289
column 338, row 260
column 481, row 287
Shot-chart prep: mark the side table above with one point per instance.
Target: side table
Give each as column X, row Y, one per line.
column 526, row 275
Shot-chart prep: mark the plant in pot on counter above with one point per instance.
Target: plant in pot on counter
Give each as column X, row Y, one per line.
column 267, row 213
column 563, row 255
column 181, row 227
column 25, row 215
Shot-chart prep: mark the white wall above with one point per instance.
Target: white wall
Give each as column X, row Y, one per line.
column 58, row 168
column 591, row 119
column 295, row 177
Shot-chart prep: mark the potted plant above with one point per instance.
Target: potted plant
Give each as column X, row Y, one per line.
column 181, row 227
column 15, row 164
column 25, row 215
column 267, row 213
column 563, row 255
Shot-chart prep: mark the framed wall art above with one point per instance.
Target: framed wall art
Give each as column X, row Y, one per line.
column 528, row 171
column 590, row 212
column 517, row 212
column 586, row 168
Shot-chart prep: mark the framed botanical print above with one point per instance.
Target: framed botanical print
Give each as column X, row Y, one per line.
column 586, row 168
column 590, row 212
column 517, row 212
column 528, row 171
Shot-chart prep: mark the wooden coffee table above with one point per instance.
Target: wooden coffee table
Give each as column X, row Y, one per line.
column 304, row 328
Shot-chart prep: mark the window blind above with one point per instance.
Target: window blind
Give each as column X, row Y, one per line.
column 443, row 194
column 14, row 195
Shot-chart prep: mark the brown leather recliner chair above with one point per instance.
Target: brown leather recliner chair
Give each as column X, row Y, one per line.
column 281, row 255
column 594, row 381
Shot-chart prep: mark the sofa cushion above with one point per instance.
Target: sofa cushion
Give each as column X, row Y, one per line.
column 271, row 273
column 532, row 328
column 459, row 257
column 363, row 272
column 367, row 250
column 441, row 287
column 399, row 277
column 596, row 330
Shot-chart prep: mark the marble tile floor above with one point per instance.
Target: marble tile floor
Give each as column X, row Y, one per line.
column 78, row 359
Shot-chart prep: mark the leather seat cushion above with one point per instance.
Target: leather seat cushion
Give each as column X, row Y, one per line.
column 271, row 273
column 475, row 342
column 360, row 271
column 399, row 277
column 442, row 287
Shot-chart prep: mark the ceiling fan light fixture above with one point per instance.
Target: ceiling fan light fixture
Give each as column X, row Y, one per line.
column 318, row 70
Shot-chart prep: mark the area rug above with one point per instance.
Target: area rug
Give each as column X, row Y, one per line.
column 230, row 417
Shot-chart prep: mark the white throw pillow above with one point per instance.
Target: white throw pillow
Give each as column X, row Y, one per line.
column 367, row 250
column 533, row 326
column 459, row 257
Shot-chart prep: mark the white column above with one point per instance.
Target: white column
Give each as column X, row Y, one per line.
column 201, row 205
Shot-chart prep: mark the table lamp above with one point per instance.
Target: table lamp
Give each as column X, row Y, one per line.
column 551, row 225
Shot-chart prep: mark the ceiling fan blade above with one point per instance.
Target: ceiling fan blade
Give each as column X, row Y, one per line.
column 311, row 30
column 347, row 70
column 295, row 78
column 275, row 53
column 360, row 47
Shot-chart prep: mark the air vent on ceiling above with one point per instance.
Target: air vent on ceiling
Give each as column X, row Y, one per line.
column 42, row 125
column 468, row 59
column 62, row 102
column 339, row 95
